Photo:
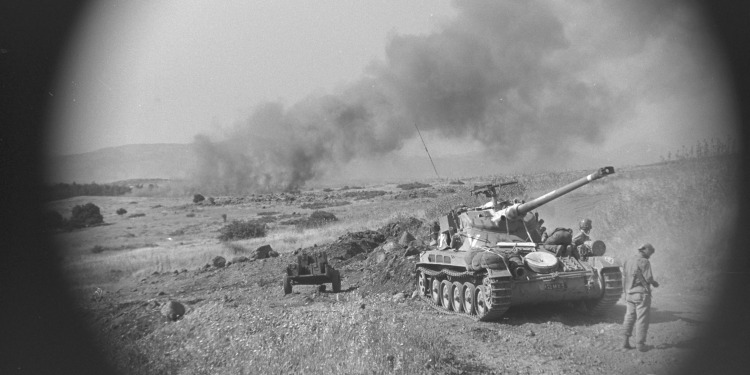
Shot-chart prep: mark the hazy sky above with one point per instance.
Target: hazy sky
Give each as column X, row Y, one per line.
column 594, row 75
column 147, row 71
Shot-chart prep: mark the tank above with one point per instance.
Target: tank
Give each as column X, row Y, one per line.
column 490, row 258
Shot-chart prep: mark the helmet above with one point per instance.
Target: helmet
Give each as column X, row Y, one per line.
column 585, row 224
column 647, row 247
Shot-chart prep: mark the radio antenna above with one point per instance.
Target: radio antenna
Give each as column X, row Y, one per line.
column 425, row 148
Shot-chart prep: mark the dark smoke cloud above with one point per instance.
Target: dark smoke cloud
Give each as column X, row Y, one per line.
column 502, row 73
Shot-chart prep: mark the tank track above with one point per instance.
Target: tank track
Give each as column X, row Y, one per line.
column 499, row 301
column 612, row 293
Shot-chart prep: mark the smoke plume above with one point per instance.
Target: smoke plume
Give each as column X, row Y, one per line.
column 502, row 73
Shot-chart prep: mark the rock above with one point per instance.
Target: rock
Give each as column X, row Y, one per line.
column 219, row 262
column 362, row 306
column 406, row 237
column 273, row 254
column 173, row 310
column 262, row 252
column 175, row 272
column 398, row 297
column 530, row 333
column 379, row 257
column 161, row 293
column 184, row 270
column 229, row 264
column 415, row 294
column 389, row 246
column 411, row 250
column 240, row 259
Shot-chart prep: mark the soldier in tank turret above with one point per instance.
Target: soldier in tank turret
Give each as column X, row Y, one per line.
column 577, row 248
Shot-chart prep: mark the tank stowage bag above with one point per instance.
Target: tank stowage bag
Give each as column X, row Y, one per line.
column 492, row 261
column 560, row 236
column 541, row 262
column 469, row 258
column 480, row 259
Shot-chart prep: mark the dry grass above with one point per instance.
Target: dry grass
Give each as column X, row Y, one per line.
column 338, row 338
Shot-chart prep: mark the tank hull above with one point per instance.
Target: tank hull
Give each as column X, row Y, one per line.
column 595, row 281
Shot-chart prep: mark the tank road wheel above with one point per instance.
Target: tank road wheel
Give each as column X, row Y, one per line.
column 424, row 283
column 469, row 291
column 481, row 305
column 287, row 285
column 435, row 291
column 446, row 292
column 336, row 281
column 458, row 296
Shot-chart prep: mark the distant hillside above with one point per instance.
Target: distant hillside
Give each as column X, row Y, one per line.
column 144, row 161
column 174, row 161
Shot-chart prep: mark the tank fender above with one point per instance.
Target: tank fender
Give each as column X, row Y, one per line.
column 499, row 273
column 603, row 262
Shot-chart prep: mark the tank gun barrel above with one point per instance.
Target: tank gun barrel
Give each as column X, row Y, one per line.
column 519, row 210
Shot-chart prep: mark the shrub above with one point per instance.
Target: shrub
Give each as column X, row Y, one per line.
column 198, row 198
column 241, row 229
column 322, row 216
column 137, row 215
column 85, row 215
column 97, row 249
column 190, row 215
column 121, row 211
column 413, row 185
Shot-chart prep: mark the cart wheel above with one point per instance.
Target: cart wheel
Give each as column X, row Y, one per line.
column 287, row 285
column 336, row 281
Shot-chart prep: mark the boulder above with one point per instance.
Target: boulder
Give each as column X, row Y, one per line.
column 389, row 246
column 173, row 310
column 262, row 252
column 406, row 237
column 379, row 256
column 412, row 250
column 219, row 262
column 398, row 297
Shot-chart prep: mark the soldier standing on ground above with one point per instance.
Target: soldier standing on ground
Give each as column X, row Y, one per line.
column 638, row 282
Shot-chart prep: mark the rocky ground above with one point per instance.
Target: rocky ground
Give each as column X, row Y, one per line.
column 377, row 268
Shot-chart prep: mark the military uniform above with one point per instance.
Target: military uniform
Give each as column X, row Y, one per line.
column 638, row 281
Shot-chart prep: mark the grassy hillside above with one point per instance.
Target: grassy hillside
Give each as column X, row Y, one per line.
column 239, row 322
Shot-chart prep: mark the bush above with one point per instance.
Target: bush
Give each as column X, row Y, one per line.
column 121, row 211
column 413, row 185
column 241, row 229
column 85, row 216
column 198, row 198
column 322, row 216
